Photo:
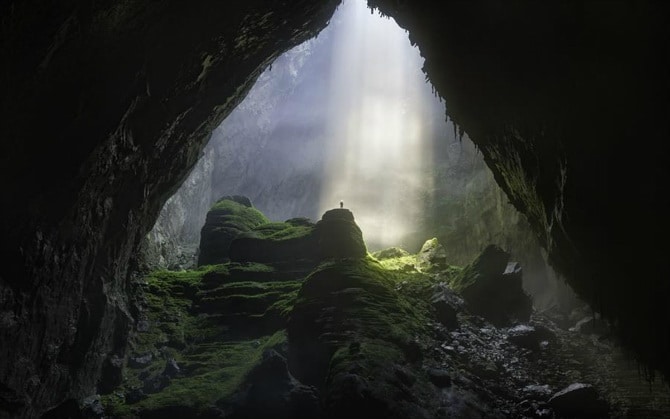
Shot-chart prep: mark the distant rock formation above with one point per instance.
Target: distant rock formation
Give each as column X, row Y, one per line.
column 339, row 236
column 230, row 216
column 234, row 232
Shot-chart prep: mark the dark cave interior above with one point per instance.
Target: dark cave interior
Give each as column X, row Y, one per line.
column 107, row 106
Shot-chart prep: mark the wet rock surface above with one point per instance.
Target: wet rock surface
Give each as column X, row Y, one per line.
column 125, row 105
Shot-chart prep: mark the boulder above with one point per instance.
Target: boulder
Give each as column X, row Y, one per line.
column 579, row 400
column 339, row 236
column 296, row 241
column 230, row 216
column 492, row 288
column 274, row 243
column 446, row 305
column 432, row 257
column 390, row 253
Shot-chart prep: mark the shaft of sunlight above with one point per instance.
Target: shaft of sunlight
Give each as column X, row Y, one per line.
column 379, row 151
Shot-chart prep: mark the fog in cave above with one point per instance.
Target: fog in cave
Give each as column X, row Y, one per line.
column 359, row 125
column 349, row 116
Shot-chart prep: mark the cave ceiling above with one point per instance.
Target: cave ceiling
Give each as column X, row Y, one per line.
column 106, row 107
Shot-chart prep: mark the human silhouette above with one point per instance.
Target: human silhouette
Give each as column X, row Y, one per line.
column 341, row 204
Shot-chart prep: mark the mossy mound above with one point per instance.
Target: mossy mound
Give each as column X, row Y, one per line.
column 276, row 242
column 339, row 236
column 351, row 327
column 391, row 252
column 214, row 340
column 432, row 257
column 201, row 334
column 229, row 217
column 335, row 236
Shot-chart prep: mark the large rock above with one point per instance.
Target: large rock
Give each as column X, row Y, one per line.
column 446, row 305
column 339, row 236
column 290, row 241
column 492, row 287
column 579, row 401
column 230, row 216
column 348, row 333
column 335, row 236
column 432, row 257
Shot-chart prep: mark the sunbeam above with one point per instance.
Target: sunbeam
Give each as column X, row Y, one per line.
column 379, row 139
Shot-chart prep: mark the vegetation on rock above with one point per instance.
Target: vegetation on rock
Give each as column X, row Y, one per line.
column 227, row 218
column 349, row 336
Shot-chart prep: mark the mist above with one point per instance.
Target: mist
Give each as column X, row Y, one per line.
column 346, row 116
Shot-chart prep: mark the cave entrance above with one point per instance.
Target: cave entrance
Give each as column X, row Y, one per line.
column 350, row 116
column 345, row 116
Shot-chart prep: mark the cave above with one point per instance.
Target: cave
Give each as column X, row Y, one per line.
column 108, row 107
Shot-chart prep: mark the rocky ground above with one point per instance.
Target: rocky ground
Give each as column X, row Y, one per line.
column 298, row 320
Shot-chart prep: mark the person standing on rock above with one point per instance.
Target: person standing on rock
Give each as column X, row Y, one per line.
column 341, row 204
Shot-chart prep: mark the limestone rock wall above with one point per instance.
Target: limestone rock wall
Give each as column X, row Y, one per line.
column 105, row 108
column 564, row 100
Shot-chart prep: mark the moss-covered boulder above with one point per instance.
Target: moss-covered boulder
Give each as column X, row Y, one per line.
column 230, row 216
column 298, row 242
column 390, row 253
column 432, row 257
column 339, row 236
column 290, row 241
column 351, row 333
column 199, row 336
column 492, row 287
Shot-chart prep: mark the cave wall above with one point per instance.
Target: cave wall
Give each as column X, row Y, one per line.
column 105, row 108
column 568, row 103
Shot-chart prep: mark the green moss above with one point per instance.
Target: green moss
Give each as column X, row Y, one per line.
column 217, row 321
column 235, row 218
column 216, row 372
column 402, row 263
column 360, row 318
column 251, row 267
column 283, row 231
column 213, row 352
column 376, row 303
column 372, row 354
column 249, row 214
